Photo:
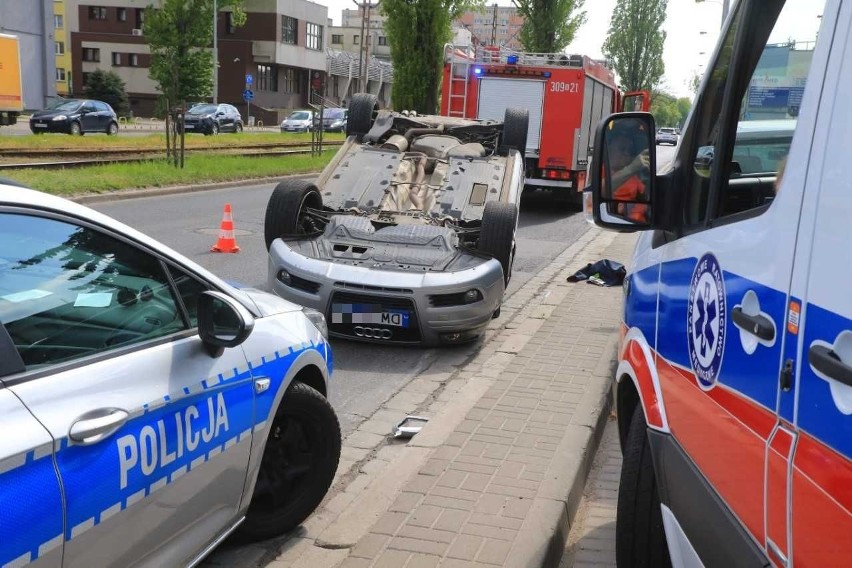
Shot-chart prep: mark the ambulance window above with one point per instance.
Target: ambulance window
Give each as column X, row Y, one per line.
column 68, row 291
column 776, row 58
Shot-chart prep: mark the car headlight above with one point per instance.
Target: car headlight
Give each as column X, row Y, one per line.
column 317, row 319
column 336, row 123
column 60, row 117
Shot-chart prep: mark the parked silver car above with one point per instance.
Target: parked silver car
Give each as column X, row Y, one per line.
column 149, row 408
column 298, row 121
column 408, row 235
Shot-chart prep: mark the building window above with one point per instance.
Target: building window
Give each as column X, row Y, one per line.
column 60, row 74
column 140, row 17
column 230, row 28
column 97, row 13
column 336, row 39
column 267, row 78
column 383, row 40
column 314, row 36
column 288, row 29
column 291, row 81
column 134, row 59
column 122, row 14
column 116, row 58
column 91, row 54
column 356, row 39
column 59, row 47
column 58, row 22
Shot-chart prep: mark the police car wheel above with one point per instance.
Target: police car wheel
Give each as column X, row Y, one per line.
column 298, row 465
column 287, row 207
column 640, row 539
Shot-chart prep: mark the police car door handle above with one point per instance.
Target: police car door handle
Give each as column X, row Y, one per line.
column 824, row 360
column 758, row 325
column 94, row 426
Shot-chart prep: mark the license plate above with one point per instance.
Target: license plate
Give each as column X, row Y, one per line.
column 39, row 125
column 189, row 126
column 369, row 313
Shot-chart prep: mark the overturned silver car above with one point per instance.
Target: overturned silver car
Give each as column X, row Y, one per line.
column 408, row 235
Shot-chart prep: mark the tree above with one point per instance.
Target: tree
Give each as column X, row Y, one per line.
column 549, row 25
column 684, row 105
column 634, row 44
column 665, row 109
column 417, row 31
column 108, row 87
column 179, row 34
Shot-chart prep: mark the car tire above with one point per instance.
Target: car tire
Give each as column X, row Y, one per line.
column 515, row 127
column 363, row 109
column 290, row 487
column 76, row 129
column 238, row 128
column 640, row 539
column 497, row 234
column 112, row 129
column 285, row 212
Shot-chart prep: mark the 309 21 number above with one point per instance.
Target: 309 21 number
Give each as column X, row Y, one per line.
column 563, row 87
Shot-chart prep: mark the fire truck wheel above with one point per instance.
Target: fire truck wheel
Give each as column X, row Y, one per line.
column 285, row 212
column 363, row 109
column 640, row 539
column 497, row 234
column 515, row 125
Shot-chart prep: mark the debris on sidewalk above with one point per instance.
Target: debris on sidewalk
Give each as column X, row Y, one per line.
column 601, row 273
column 410, row 426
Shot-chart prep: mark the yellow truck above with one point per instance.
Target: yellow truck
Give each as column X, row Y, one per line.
column 11, row 96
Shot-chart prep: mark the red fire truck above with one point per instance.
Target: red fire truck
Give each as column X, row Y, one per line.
column 566, row 95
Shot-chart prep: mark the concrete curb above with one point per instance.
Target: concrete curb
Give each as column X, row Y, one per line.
column 177, row 189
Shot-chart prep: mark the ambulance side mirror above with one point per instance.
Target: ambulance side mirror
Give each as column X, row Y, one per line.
column 222, row 322
column 623, row 172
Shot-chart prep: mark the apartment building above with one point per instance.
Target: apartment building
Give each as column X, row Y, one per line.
column 62, row 49
column 32, row 22
column 352, row 39
column 494, row 25
column 281, row 45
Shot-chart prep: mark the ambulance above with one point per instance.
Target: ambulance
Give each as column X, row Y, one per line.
column 734, row 383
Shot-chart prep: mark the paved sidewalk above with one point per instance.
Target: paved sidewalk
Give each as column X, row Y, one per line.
column 497, row 474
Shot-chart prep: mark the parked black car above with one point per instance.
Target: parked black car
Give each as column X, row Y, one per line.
column 212, row 119
column 333, row 119
column 76, row 117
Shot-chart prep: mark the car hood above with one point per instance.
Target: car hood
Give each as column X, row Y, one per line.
column 268, row 304
column 53, row 113
column 296, row 121
column 190, row 116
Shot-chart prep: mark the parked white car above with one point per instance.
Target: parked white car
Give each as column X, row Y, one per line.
column 298, row 121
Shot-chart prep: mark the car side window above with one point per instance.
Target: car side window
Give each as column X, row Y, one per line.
column 89, row 107
column 68, row 291
column 102, row 107
column 782, row 35
column 189, row 289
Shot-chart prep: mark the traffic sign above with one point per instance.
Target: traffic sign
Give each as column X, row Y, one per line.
column 248, row 95
column 249, row 79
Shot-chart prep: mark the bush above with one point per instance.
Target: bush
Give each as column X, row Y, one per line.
column 108, row 87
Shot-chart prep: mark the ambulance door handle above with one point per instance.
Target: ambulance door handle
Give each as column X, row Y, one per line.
column 827, row 362
column 94, row 426
column 758, row 325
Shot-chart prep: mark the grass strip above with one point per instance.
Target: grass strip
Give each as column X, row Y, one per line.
column 159, row 173
column 153, row 141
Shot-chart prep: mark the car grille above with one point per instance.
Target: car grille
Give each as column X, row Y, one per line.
column 410, row 334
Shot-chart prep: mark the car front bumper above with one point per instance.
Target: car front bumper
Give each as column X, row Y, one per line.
column 50, row 126
column 430, row 323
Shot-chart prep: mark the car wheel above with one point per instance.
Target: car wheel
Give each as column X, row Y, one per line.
column 112, row 129
column 238, row 127
column 286, row 212
column 298, row 465
column 363, row 109
column 640, row 539
column 515, row 126
column 497, row 234
column 76, row 130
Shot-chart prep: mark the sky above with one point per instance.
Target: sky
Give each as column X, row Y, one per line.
column 686, row 50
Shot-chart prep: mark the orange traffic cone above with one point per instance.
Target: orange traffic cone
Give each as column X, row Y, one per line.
column 226, row 241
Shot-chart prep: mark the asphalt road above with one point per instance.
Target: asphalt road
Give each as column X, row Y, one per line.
column 365, row 375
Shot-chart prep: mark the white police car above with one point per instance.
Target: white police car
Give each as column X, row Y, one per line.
column 148, row 409
column 734, row 385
